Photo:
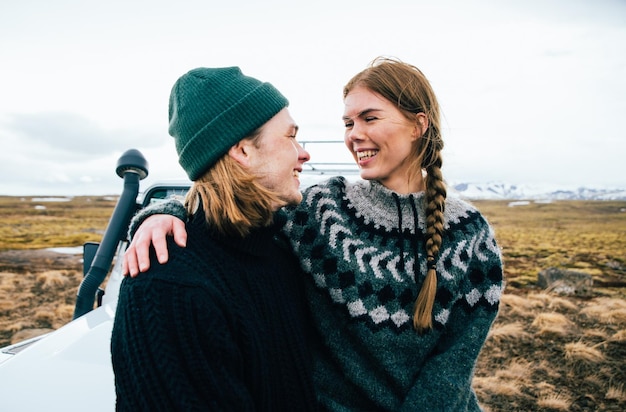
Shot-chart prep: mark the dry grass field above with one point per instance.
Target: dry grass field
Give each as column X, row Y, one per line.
column 546, row 352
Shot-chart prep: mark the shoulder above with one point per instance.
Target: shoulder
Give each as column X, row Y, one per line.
column 455, row 206
column 329, row 193
column 465, row 224
column 462, row 212
column 332, row 185
column 190, row 265
column 186, row 277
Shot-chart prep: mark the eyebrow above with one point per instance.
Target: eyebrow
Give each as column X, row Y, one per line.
column 362, row 113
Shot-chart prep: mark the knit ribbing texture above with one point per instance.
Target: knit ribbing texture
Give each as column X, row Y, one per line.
column 211, row 109
column 221, row 326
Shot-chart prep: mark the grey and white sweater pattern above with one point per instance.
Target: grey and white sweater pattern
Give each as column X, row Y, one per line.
column 362, row 247
column 361, row 230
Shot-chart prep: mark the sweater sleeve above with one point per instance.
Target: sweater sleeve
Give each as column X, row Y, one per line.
column 444, row 382
column 172, row 349
column 171, row 207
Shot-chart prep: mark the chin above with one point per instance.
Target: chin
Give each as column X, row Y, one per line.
column 293, row 199
column 296, row 199
column 366, row 175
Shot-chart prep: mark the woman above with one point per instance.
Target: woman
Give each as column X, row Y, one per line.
column 403, row 283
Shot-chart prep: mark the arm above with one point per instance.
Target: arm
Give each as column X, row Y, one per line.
column 444, row 383
column 149, row 227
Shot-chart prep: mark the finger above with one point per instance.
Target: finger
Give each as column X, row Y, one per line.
column 124, row 266
column 130, row 262
column 142, row 252
column 160, row 246
column 180, row 233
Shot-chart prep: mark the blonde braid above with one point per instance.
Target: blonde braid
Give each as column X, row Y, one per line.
column 435, row 206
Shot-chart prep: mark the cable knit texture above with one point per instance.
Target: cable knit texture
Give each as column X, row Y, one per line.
column 363, row 249
column 221, row 327
column 348, row 238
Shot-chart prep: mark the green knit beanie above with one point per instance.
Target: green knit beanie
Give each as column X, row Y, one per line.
column 211, row 109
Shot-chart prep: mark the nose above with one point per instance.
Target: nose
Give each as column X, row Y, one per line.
column 353, row 133
column 352, row 136
column 303, row 155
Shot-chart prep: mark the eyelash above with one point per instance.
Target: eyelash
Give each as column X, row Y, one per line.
column 366, row 119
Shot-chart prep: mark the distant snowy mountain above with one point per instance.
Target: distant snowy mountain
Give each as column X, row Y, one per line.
column 504, row 191
column 499, row 190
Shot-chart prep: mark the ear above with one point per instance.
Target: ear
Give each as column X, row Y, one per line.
column 421, row 124
column 241, row 152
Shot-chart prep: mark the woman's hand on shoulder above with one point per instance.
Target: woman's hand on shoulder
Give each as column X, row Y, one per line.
column 152, row 232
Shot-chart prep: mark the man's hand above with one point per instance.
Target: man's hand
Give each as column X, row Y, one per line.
column 152, row 231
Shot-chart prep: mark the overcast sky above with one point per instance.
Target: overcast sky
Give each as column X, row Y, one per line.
column 531, row 91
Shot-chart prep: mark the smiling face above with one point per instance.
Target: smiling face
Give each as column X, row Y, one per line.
column 382, row 140
column 277, row 158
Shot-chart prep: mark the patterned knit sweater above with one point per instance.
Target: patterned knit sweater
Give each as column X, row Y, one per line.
column 205, row 332
column 362, row 248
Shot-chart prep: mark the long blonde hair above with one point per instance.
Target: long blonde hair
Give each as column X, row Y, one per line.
column 406, row 86
column 233, row 200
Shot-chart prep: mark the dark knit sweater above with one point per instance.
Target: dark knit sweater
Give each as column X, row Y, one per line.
column 220, row 327
column 363, row 246
column 363, row 249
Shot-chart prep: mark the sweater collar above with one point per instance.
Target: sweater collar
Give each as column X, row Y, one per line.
column 259, row 242
column 386, row 208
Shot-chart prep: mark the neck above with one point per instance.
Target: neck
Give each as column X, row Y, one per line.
column 414, row 184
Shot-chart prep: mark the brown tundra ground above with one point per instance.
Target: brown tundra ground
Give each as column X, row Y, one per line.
column 546, row 352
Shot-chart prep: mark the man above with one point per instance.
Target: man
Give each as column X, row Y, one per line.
column 222, row 325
